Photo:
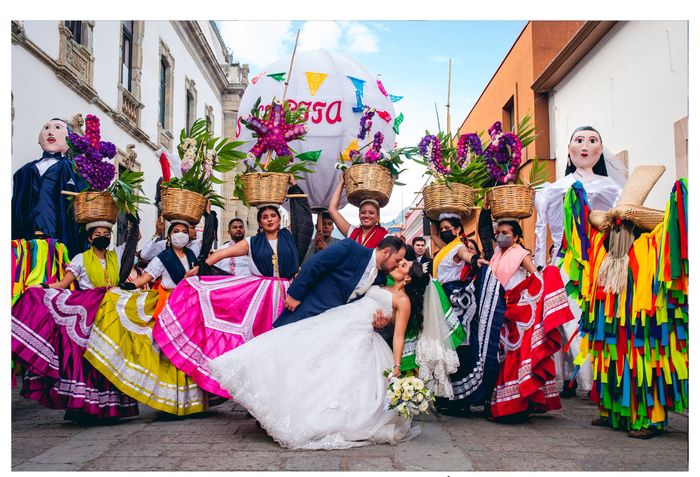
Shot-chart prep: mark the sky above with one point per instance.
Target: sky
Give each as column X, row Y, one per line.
column 412, row 59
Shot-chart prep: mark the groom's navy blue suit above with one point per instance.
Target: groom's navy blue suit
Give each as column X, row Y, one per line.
column 327, row 280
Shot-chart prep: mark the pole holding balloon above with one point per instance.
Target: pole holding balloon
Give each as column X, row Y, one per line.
column 449, row 84
column 286, row 85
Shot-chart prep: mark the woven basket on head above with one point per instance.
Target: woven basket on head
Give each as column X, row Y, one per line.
column 182, row 204
column 453, row 197
column 265, row 187
column 368, row 181
column 95, row 206
column 511, row 200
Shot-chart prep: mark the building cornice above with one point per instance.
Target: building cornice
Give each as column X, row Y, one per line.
column 84, row 90
column 196, row 42
column 580, row 44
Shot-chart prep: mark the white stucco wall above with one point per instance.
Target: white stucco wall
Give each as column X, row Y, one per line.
column 632, row 87
column 39, row 95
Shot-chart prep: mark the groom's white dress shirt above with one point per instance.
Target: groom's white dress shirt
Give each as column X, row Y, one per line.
column 367, row 279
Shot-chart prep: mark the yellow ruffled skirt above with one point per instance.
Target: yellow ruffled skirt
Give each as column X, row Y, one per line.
column 121, row 347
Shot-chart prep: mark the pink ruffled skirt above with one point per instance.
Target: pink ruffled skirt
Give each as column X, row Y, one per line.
column 207, row 316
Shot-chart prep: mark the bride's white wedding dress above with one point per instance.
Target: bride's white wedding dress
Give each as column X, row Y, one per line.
column 318, row 383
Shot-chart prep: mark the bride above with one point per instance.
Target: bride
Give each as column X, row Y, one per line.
column 318, row 383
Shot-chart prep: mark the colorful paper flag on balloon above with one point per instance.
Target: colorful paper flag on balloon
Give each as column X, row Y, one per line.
column 359, row 85
column 395, row 98
column 257, row 77
column 384, row 115
column 381, row 88
column 359, row 107
column 309, row 156
column 315, row 80
column 277, row 76
column 353, row 146
column 397, row 122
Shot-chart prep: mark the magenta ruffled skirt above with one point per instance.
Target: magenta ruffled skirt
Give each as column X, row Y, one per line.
column 207, row 316
column 50, row 329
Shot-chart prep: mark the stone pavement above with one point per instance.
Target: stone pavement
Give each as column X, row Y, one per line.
column 226, row 438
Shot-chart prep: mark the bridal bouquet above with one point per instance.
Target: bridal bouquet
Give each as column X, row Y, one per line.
column 409, row 396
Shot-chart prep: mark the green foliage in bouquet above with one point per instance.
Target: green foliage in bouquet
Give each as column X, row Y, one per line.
column 202, row 154
column 525, row 130
column 127, row 192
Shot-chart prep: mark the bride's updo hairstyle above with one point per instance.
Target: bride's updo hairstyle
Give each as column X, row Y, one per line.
column 415, row 291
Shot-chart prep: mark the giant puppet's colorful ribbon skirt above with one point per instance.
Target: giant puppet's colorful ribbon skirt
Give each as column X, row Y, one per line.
column 637, row 341
column 207, row 316
column 121, row 347
column 50, row 330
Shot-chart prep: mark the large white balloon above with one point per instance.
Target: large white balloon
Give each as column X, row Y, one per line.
column 330, row 99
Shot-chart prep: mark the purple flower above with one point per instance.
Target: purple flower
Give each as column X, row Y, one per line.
column 435, row 154
column 107, row 149
column 503, row 155
column 366, row 122
column 467, row 143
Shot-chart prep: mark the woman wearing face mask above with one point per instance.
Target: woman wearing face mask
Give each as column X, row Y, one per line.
column 122, row 347
column 536, row 307
column 50, row 328
column 603, row 180
column 477, row 311
column 215, row 314
column 171, row 264
column 369, row 233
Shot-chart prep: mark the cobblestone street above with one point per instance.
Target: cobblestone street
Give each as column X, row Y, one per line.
column 226, row 438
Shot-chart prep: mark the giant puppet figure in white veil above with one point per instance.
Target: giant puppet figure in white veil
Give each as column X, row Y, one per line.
column 603, row 180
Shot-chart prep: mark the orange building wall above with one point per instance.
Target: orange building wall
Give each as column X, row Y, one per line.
column 535, row 48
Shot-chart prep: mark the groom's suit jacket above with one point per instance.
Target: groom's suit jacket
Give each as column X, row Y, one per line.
column 327, row 280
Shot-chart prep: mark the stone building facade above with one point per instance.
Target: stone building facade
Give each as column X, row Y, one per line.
column 145, row 80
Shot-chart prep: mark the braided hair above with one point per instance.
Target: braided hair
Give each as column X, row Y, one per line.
column 132, row 240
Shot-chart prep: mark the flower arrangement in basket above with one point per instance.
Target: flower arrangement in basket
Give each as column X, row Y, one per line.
column 104, row 196
column 458, row 172
column 266, row 178
column 511, row 197
column 408, row 395
column 371, row 175
column 201, row 154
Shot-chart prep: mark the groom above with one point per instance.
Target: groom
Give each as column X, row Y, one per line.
column 338, row 275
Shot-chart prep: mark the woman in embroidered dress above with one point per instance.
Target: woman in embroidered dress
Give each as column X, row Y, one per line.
column 369, row 233
column 50, row 328
column 121, row 345
column 317, row 383
column 455, row 269
column 207, row 316
column 536, row 307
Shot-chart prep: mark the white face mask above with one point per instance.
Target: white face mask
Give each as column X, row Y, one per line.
column 179, row 239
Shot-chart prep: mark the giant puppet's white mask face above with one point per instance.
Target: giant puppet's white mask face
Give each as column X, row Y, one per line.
column 585, row 150
column 52, row 137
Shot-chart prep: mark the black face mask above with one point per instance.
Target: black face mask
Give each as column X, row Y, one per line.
column 447, row 236
column 101, row 243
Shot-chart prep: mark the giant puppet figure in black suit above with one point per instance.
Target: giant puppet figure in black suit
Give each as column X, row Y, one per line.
column 38, row 208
